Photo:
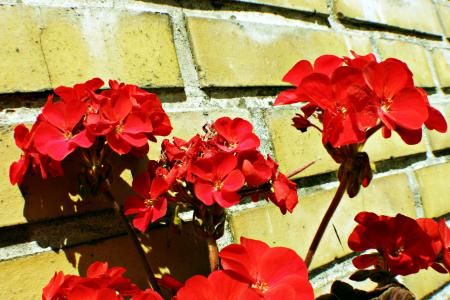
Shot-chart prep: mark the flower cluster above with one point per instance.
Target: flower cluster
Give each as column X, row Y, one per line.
column 123, row 117
column 100, row 283
column 215, row 169
column 352, row 97
column 252, row 270
column 404, row 245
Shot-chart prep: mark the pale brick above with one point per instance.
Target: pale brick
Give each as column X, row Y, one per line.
column 297, row 230
column 444, row 14
column 412, row 54
column 380, row 148
column 293, row 148
column 418, row 15
column 22, row 63
column 441, row 60
column 235, row 53
column 438, row 140
column 128, row 46
column 434, row 189
column 425, row 282
column 307, row 5
column 175, row 258
column 359, row 44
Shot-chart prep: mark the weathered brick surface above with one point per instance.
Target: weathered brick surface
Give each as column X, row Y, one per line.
column 297, row 230
column 425, row 282
column 293, row 148
column 412, row 54
column 234, row 53
column 440, row 141
column 434, row 189
column 444, row 15
column 306, row 5
column 37, row 270
column 441, row 60
column 22, row 63
column 358, row 43
column 418, row 15
column 66, row 46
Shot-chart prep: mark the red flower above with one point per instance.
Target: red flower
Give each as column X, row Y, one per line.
column 440, row 236
column 271, row 273
column 59, row 286
column 79, row 92
column 235, row 135
column 285, row 194
column 148, row 294
column 150, row 204
column 218, row 179
column 56, row 135
column 255, row 168
column 399, row 102
column 404, row 248
column 325, row 65
column 218, row 286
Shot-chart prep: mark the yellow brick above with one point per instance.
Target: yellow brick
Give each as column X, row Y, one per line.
column 293, row 148
column 380, row 148
column 37, row 270
column 22, row 64
column 359, row 44
column 439, row 141
column 444, row 14
column 434, row 189
column 425, row 282
column 412, row 54
column 234, row 53
column 441, row 60
column 131, row 47
column 39, row 199
column 308, row 5
column 187, row 124
column 418, row 15
column 297, row 230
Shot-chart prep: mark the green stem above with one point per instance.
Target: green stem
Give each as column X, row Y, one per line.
column 325, row 220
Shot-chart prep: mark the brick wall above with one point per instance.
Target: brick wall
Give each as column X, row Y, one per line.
column 205, row 60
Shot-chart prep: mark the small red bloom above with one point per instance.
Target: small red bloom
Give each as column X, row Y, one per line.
column 404, row 248
column 218, row 179
column 218, row 286
column 271, row 273
column 285, row 194
column 235, row 135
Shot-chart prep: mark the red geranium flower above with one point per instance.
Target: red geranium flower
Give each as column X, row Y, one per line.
column 150, row 204
column 271, row 273
column 218, row 179
column 235, row 135
column 285, row 194
column 218, row 286
column 404, row 248
column 254, row 167
column 79, row 92
column 440, row 236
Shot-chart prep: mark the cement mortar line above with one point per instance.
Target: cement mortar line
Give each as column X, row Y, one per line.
column 433, row 71
column 415, row 189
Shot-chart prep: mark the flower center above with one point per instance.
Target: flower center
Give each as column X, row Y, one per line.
column 218, row 185
column 232, row 145
column 68, row 135
column 397, row 252
column 386, row 104
column 261, row 286
column 119, row 129
column 149, row 202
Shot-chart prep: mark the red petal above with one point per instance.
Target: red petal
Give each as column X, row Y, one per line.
column 279, row 262
column 141, row 220
column 234, row 181
column 299, row 71
column 365, row 261
column 204, row 192
column 158, row 187
column 411, row 137
column 408, row 109
column 435, row 120
column 289, row 97
column 327, row 64
column 224, row 163
column 134, row 205
column 226, row 199
column 318, row 88
column 21, row 136
column 136, row 123
column 141, row 185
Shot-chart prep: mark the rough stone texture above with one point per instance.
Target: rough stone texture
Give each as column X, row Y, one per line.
column 412, row 54
column 444, row 15
column 359, row 44
column 293, row 148
column 434, row 189
column 418, row 15
column 37, row 270
column 441, row 60
column 440, row 141
column 307, row 5
column 234, row 53
column 22, row 63
column 297, row 230
column 425, row 282
column 67, row 46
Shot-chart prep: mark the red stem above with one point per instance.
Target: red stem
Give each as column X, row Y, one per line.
column 325, row 220
column 302, row 168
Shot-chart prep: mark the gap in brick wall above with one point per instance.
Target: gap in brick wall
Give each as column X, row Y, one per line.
column 443, row 152
column 38, row 99
column 446, row 90
column 309, row 181
column 371, row 26
column 238, row 92
column 430, row 90
column 227, row 5
column 336, row 261
column 398, row 162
